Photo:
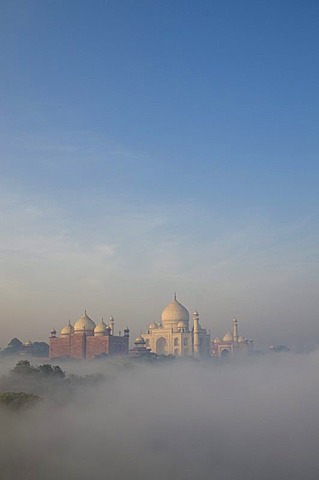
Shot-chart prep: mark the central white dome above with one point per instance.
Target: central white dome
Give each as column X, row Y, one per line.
column 84, row 325
column 173, row 314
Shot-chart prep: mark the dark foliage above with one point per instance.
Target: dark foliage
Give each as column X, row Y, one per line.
column 47, row 381
column 40, row 349
column 18, row 400
column 16, row 347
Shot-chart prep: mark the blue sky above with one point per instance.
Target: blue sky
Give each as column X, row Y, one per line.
column 148, row 147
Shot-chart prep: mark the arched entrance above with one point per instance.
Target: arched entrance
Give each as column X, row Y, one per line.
column 161, row 346
column 225, row 352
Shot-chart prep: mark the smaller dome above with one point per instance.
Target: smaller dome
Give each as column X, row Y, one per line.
column 101, row 328
column 228, row 337
column 153, row 326
column 182, row 324
column 216, row 340
column 53, row 331
column 28, row 343
column 241, row 339
column 139, row 341
column 67, row 330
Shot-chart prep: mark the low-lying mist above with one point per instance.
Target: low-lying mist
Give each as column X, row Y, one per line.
column 174, row 420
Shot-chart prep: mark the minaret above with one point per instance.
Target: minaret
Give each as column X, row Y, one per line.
column 196, row 334
column 112, row 326
column 126, row 332
column 235, row 330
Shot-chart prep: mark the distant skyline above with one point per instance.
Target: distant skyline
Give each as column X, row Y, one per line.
column 153, row 147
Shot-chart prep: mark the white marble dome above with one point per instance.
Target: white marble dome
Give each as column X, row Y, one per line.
column 153, row 326
column 173, row 314
column 84, row 325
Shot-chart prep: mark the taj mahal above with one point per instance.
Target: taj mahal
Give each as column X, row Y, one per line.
column 173, row 336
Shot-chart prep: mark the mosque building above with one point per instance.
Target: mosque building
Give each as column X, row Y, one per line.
column 87, row 340
column 173, row 335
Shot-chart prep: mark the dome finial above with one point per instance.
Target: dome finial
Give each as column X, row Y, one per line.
column 175, row 296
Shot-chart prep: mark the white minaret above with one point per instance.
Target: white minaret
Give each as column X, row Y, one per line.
column 235, row 330
column 112, row 326
column 196, row 334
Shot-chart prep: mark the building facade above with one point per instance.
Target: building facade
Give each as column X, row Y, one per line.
column 173, row 335
column 231, row 344
column 88, row 340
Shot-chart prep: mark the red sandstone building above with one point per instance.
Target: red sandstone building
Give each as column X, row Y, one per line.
column 88, row 340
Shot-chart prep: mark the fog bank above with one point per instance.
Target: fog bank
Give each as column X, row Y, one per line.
column 178, row 420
